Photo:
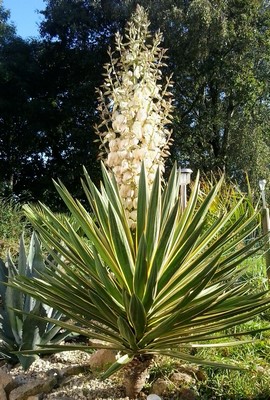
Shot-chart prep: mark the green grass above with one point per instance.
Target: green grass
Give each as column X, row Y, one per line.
column 12, row 225
column 255, row 274
column 252, row 382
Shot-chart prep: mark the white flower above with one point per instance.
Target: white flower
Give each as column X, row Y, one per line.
column 124, row 191
column 134, row 142
column 151, row 177
column 132, row 224
column 128, row 203
column 129, row 57
column 136, row 181
column 148, row 129
column 113, row 145
column 137, row 72
column 123, row 104
column 112, row 159
column 141, row 115
column 137, row 129
column 125, row 165
column 136, row 166
column 133, row 215
column 124, row 143
column 139, row 153
column 118, row 121
column 124, row 154
column 127, row 176
column 154, row 118
column 146, row 92
column 110, row 136
column 135, row 110
column 148, row 163
column 135, row 202
column 138, row 97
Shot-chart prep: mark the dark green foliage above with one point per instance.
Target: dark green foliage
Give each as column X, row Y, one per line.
column 19, row 327
column 218, row 54
column 20, row 152
column 7, row 30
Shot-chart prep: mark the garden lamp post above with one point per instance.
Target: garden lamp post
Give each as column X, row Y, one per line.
column 262, row 184
column 184, row 181
column 265, row 225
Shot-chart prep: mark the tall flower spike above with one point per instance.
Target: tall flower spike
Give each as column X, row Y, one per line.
column 135, row 110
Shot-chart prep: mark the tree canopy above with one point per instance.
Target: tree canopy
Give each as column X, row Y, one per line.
column 218, row 53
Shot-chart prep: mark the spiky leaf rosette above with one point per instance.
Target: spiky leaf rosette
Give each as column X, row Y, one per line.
column 171, row 283
column 21, row 316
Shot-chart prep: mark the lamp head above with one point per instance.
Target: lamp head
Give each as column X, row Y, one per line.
column 185, row 176
column 262, row 184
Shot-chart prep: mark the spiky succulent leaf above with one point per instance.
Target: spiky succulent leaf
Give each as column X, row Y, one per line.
column 19, row 327
column 120, row 363
column 173, row 281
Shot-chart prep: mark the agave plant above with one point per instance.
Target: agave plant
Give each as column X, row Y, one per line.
column 159, row 289
column 19, row 327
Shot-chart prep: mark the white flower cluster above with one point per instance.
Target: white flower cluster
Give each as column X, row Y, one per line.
column 135, row 110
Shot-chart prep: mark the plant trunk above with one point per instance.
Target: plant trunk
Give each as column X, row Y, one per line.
column 135, row 374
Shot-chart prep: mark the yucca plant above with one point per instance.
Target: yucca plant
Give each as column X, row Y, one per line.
column 228, row 196
column 19, row 329
column 158, row 289
column 230, row 193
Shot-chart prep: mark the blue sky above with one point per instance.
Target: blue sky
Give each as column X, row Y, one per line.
column 24, row 15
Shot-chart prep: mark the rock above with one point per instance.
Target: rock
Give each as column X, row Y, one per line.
column 6, row 381
column 160, row 386
column 38, row 386
column 37, row 397
column 63, row 398
column 176, row 380
column 193, row 371
column 102, row 358
column 3, row 395
column 180, row 378
column 142, row 396
column 153, row 397
column 187, row 394
column 201, row 375
column 72, row 370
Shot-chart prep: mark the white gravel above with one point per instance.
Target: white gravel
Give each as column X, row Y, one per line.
column 79, row 387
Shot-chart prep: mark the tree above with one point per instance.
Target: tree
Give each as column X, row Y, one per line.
column 219, row 56
column 7, row 30
column 48, row 107
column 20, row 160
column 65, row 112
column 73, row 51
